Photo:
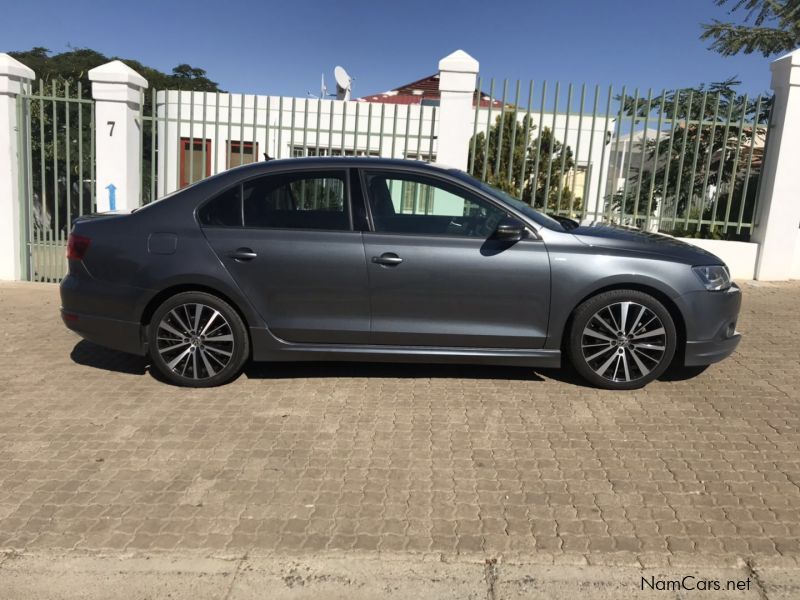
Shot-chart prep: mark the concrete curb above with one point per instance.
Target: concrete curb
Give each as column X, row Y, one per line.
column 356, row 576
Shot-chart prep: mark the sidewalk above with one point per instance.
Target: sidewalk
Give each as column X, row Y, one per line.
column 365, row 577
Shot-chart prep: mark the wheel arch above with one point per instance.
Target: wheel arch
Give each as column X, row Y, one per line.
column 660, row 295
column 178, row 288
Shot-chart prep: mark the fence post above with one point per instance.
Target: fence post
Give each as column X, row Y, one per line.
column 14, row 76
column 778, row 218
column 117, row 91
column 457, row 75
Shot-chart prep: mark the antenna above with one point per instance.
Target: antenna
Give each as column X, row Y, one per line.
column 343, row 83
column 323, row 89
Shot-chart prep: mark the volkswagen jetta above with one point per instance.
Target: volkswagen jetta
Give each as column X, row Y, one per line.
column 387, row 260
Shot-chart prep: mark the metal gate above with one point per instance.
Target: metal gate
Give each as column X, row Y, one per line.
column 56, row 174
column 685, row 162
column 188, row 135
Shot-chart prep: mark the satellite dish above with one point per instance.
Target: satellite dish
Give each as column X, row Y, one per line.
column 343, row 82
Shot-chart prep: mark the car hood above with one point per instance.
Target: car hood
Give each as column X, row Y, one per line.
column 627, row 238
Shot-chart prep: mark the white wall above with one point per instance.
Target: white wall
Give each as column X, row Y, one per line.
column 390, row 130
column 278, row 124
column 795, row 274
column 739, row 256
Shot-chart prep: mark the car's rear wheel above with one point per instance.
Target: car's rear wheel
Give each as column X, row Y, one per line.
column 622, row 339
column 197, row 340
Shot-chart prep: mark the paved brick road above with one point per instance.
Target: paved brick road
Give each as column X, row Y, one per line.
column 96, row 454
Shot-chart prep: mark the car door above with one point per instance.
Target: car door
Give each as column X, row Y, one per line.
column 295, row 255
column 436, row 275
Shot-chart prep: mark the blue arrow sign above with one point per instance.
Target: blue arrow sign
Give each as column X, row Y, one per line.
column 112, row 196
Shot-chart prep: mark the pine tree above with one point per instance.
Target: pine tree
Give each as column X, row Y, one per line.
column 770, row 27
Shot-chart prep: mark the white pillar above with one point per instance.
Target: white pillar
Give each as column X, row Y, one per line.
column 779, row 198
column 13, row 76
column 117, row 90
column 457, row 75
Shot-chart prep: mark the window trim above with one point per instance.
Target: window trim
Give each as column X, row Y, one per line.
column 433, row 176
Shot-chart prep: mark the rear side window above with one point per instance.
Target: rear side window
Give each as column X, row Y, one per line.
column 223, row 211
column 306, row 200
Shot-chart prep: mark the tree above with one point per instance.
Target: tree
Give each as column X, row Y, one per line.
column 691, row 167
column 770, row 27
column 542, row 189
column 74, row 66
column 52, row 175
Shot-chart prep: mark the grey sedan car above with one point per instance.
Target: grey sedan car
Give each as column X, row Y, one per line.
column 386, row 260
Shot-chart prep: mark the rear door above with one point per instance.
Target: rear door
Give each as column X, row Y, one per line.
column 293, row 251
column 437, row 278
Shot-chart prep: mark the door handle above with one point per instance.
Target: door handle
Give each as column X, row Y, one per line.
column 242, row 255
column 388, row 259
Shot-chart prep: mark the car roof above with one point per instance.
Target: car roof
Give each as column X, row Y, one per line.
column 342, row 161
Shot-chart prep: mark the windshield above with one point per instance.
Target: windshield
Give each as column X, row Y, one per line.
column 523, row 207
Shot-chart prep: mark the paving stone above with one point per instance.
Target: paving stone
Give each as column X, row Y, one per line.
column 96, row 454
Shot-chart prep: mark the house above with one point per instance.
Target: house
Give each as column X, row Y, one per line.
column 205, row 133
column 424, row 91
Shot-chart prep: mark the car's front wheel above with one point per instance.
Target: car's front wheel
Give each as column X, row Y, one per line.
column 622, row 339
column 197, row 340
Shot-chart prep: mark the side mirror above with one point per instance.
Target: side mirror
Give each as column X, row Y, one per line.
column 509, row 230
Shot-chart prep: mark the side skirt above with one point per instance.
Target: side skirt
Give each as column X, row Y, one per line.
column 267, row 348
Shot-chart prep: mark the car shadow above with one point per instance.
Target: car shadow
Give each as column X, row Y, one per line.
column 681, row 373
column 98, row 357
column 386, row 370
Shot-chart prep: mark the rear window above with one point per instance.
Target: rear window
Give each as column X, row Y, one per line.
column 304, row 200
column 223, row 211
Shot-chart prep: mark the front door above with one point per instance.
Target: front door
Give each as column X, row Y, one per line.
column 295, row 255
column 436, row 276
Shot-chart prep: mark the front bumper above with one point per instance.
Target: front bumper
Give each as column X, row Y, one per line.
column 711, row 319
column 705, row 353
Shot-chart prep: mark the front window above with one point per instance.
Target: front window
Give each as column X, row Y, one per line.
column 417, row 204
column 526, row 209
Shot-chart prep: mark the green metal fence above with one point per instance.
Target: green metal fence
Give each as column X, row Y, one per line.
column 685, row 162
column 57, row 172
column 219, row 130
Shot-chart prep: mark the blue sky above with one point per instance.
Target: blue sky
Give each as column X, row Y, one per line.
column 283, row 47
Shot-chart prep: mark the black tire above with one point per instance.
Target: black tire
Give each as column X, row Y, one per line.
column 197, row 351
column 630, row 359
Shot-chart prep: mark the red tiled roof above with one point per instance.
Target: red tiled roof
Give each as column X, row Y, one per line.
column 415, row 92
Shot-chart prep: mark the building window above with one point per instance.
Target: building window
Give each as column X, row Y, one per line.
column 575, row 180
column 297, row 151
column 423, row 156
column 195, row 160
column 241, row 153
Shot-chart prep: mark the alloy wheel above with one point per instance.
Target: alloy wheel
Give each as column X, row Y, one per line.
column 624, row 341
column 195, row 341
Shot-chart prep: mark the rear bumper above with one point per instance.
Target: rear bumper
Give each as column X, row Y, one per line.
column 711, row 326
column 111, row 333
column 93, row 309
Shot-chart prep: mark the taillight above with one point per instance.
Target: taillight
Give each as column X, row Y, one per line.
column 77, row 245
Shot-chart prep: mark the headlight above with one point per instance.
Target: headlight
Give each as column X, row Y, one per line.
column 715, row 277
